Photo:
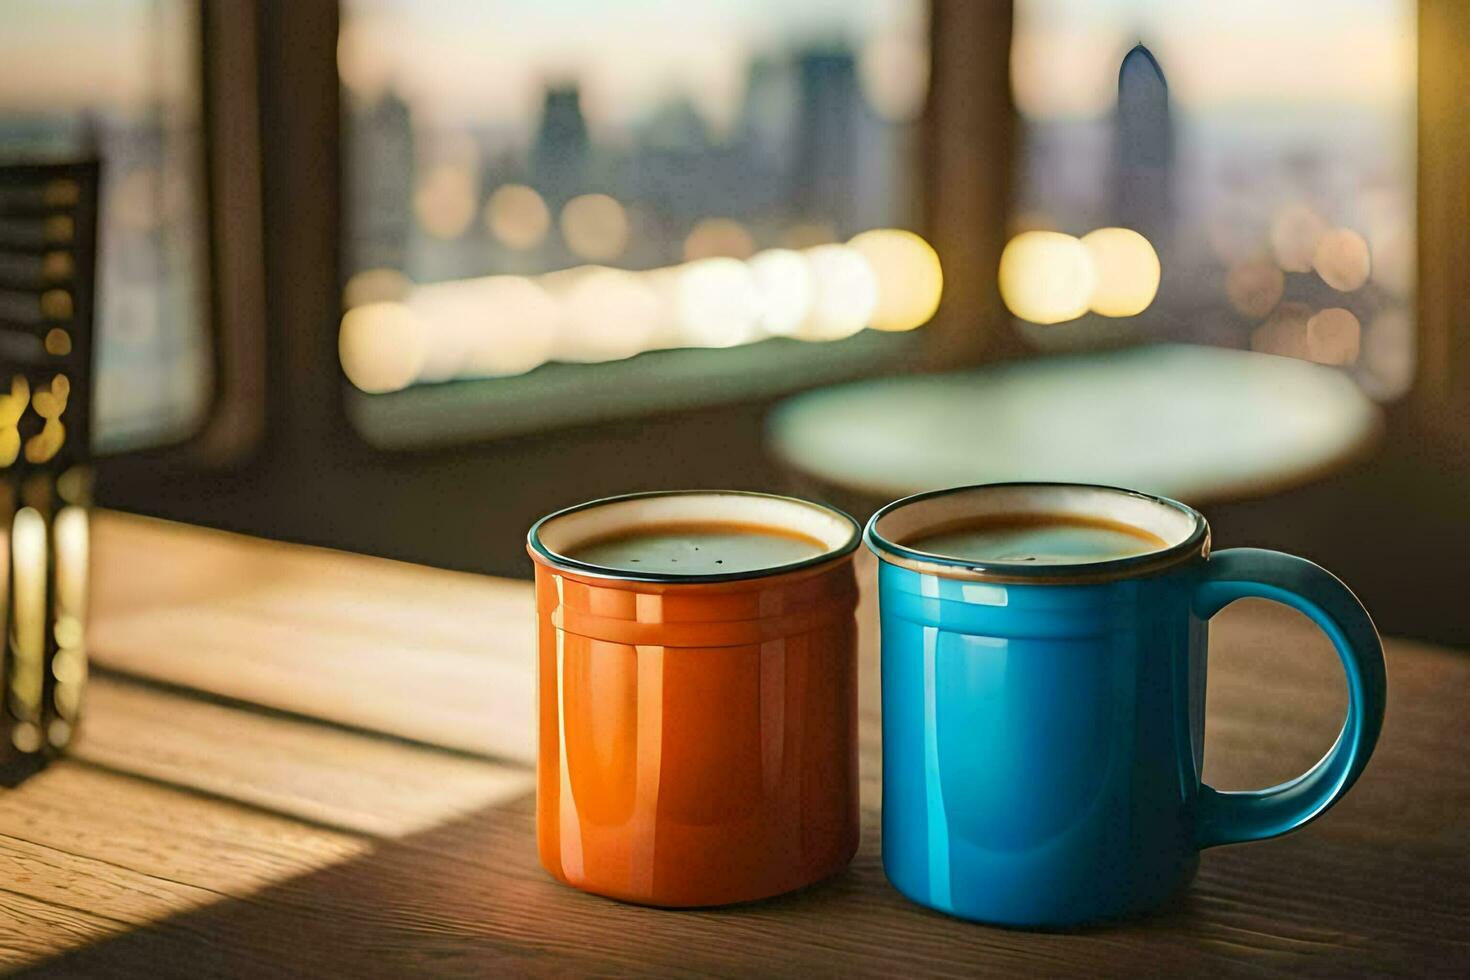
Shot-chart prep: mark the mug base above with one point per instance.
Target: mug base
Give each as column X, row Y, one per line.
column 1060, row 919
column 712, row 897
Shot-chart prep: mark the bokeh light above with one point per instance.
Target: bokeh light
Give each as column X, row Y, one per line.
column 1127, row 269
column 57, row 266
column 1065, row 73
column 496, row 325
column 1046, row 276
column 1285, row 332
column 517, row 216
column 595, row 227
column 783, row 281
column 717, row 303
column 364, row 63
column 58, row 342
column 56, row 304
column 910, row 280
column 716, row 238
column 396, row 334
column 381, row 346
column 28, row 561
column 894, row 73
column 445, row 200
column 608, row 314
column 1295, row 231
column 524, row 332
column 1342, row 259
column 61, row 193
column 451, row 313
column 1254, row 286
column 665, row 284
column 844, row 296
column 1334, row 336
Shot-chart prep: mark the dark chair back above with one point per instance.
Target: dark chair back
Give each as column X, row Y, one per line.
column 48, row 257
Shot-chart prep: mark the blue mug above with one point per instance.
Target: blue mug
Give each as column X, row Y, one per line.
column 1043, row 725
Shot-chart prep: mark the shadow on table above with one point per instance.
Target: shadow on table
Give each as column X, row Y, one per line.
column 469, row 897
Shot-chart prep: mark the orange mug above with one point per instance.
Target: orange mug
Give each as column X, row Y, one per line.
column 698, row 730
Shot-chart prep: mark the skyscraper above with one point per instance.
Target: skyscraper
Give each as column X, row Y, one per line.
column 380, row 184
column 829, row 127
column 1143, row 148
column 559, row 157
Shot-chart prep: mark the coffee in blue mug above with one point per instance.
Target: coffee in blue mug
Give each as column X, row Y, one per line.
column 1044, row 694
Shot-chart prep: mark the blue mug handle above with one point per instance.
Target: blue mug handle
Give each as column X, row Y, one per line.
column 1238, row 573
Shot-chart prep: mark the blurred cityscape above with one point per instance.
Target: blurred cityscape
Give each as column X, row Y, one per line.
column 1264, row 150
column 807, row 160
column 701, row 177
column 1276, row 183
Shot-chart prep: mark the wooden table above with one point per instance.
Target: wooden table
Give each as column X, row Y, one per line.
column 302, row 762
column 1196, row 423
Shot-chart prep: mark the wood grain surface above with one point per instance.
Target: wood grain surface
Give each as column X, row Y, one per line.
column 435, row 656
column 206, row 825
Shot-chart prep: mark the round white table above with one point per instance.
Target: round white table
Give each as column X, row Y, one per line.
column 1194, row 423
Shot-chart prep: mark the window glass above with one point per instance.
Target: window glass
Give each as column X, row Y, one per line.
column 120, row 79
column 580, row 182
column 1265, row 150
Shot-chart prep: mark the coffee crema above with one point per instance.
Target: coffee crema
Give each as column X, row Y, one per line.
column 697, row 548
column 1036, row 538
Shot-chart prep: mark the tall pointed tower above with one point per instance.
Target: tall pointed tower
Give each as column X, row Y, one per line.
column 1143, row 148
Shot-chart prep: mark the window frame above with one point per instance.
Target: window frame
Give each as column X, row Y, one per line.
column 230, row 429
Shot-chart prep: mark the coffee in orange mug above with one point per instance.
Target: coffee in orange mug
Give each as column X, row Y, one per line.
column 697, row 696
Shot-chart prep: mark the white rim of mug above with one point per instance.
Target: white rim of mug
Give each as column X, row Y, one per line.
column 565, row 563
column 1195, row 545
